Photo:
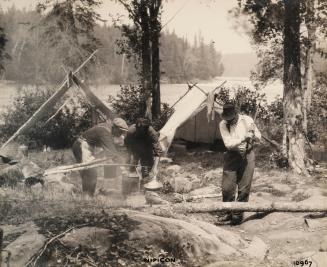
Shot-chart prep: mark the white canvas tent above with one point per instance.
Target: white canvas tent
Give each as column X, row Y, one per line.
column 189, row 121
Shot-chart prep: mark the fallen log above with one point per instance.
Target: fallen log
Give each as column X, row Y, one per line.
column 191, row 198
column 46, row 105
column 84, row 166
column 1, row 241
column 184, row 208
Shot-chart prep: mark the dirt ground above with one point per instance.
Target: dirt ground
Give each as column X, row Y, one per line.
column 280, row 239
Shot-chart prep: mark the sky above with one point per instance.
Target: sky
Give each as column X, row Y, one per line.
column 193, row 16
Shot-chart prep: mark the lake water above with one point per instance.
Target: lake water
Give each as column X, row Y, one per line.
column 170, row 92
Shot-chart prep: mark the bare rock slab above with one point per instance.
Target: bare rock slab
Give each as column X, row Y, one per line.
column 323, row 244
column 272, row 221
column 213, row 175
column 316, row 224
column 89, row 237
column 10, row 175
column 173, row 170
column 24, row 247
column 208, row 190
column 182, row 185
column 283, row 188
column 199, row 241
column 257, row 249
column 318, row 259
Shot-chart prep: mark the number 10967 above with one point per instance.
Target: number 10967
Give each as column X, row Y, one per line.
column 303, row 263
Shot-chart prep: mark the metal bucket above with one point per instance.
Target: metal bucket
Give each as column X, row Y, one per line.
column 130, row 183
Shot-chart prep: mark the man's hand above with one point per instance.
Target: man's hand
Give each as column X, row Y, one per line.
column 249, row 136
column 242, row 150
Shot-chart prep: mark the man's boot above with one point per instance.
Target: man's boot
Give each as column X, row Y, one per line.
column 225, row 217
column 237, row 219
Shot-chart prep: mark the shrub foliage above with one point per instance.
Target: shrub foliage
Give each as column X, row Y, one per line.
column 129, row 104
column 60, row 132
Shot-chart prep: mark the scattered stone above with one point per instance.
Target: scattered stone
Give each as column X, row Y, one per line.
column 272, row 221
column 173, row 170
column 182, row 185
column 58, row 183
column 311, row 192
column 177, row 198
column 29, row 168
column 261, row 196
column 208, row 190
column 258, row 198
column 10, row 175
column 153, row 198
column 191, row 176
column 316, row 224
column 319, row 259
column 213, row 175
column 315, row 259
column 94, row 237
column 166, row 160
column 198, row 241
column 283, row 188
column 298, row 191
column 289, row 235
column 323, row 244
column 315, row 201
column 257, row 249
column 24, row 247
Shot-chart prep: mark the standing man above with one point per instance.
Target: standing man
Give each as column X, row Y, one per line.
column 239, row 134
column 142, row 143
column 104, row 136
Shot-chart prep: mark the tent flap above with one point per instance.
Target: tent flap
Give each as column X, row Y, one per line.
column 188, row 107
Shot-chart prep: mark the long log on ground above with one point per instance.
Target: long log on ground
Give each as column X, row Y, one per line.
column 84, row 166
column 94, row 99
column 1, row 241
column 46, row 105
column 238, row 206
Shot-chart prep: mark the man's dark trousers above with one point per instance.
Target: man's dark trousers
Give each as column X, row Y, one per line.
column 237, row 174
column 89, row 176
column 146, row 159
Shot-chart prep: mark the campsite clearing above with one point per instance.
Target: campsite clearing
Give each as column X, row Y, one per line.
column 281, row 237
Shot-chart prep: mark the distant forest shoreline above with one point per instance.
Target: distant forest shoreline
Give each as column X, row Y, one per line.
column 34, row 60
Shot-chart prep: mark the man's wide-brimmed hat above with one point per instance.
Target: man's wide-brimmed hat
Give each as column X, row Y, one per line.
column 120, row 123
column 229, row 112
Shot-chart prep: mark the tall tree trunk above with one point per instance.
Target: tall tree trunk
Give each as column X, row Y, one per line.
column 308, row 68
column 293, row 93
column 155, row 34
column 146, row 60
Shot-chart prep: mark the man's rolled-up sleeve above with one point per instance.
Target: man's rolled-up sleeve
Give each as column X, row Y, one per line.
column 257, row 133
column 229, row 141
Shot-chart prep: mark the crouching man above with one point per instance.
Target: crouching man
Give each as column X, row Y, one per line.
column 239, row 134
column 142, row 144
column 104, row 136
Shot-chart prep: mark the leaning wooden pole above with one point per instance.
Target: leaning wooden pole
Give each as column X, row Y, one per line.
column 94, row 99
column 46, row 105
column 240, row 206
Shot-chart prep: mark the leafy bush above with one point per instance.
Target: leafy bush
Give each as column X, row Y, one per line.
column 129, row 105
column 60, row 132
